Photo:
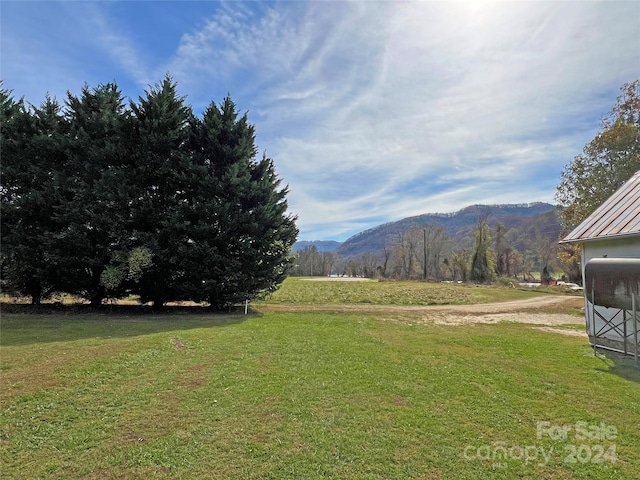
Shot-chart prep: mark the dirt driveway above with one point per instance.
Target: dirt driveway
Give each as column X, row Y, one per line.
column 536, row 311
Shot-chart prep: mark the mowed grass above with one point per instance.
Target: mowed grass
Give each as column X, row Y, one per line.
column 307, row 395
column 309, row 291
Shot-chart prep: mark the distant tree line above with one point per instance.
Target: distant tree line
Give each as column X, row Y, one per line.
column 428, row 252
column 102, row 198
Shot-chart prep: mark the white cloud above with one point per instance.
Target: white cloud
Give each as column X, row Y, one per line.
column 374, row 111
column 120, row 48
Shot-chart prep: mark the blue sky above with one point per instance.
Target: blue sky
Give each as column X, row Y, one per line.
column 372, row 111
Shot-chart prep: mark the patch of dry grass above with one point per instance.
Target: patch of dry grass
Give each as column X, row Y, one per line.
column 300, row 291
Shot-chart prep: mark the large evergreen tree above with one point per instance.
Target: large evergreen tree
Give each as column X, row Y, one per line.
column 242, row 235
column 163, row 176
column 32, row 144
column 92, row 214
column 104, row 200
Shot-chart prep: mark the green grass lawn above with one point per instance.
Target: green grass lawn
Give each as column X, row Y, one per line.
column 304, row 290
column 308, row 395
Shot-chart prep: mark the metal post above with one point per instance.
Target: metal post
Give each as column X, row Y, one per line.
column 635, row 328
column 593, row 315
column 246, row 306
column 624, row 329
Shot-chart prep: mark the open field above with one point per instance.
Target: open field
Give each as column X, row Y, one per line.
column 342, row 291
column 382, row 391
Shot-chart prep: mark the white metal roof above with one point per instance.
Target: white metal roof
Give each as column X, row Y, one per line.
column 618, row 216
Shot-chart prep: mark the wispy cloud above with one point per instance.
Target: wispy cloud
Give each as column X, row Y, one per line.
column 466, row 98
column 117, row 45
column 374, row 111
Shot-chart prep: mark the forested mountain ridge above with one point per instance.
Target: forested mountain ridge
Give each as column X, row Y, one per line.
column 459, row 225
column 321, row 245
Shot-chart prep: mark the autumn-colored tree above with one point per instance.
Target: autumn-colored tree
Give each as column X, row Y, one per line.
column 569, row 258
column 607, row 161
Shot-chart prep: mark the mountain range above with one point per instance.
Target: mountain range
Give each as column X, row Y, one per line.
column 321, row 245
column 530, row 218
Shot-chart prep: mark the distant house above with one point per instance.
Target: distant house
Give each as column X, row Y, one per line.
column 610, row 240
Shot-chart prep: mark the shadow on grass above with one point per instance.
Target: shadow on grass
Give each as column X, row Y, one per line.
column 620, row 364
column 26, row 324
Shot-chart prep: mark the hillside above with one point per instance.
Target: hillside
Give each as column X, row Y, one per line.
column 322, row 246
column 529, row 218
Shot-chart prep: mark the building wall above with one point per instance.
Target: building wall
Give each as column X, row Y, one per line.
column 622, row 248
column 626, row 247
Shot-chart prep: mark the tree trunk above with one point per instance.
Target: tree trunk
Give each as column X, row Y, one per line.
column 158, row 304
column 96, row 300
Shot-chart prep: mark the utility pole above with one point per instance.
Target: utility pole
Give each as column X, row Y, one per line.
column 424, row 265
